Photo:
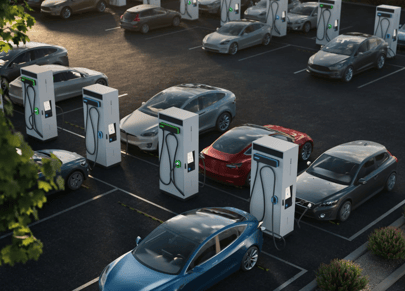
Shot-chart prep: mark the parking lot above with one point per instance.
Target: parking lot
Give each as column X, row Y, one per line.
column 84, row 230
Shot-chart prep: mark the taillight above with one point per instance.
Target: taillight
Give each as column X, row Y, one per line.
column 121, row 16
column 137, row 18
column 393, row 156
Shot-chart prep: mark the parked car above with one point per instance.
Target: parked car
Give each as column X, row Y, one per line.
column 228, row 159
column 259, row 10
column 214, row 6
column 216, row 108
column 65, row 8
column 401, row 35
column 237, row 35
column 343, row 178
column 303, row 17
column 74, row 169
column 36, row 4
column 67, row 82
column 189, row 252
column 348, row 54
column 145, row 17
column 31, row 53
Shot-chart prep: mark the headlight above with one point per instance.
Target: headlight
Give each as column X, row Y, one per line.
column 300, row 21
column 337, row 66
column 205, row 38
column 103, row 276
column 152, row 132
column 330, row 203
column 83, row 163
column 224, row 42
column 311, row 60
column 246, row 12
column 263, row 13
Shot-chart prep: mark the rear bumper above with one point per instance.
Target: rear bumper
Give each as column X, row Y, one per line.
column 236, row 178
column 133, row 27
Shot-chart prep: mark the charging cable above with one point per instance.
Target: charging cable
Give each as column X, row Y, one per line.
column 95, row 149
column 325, row 24
column 31, row 118
column 384, row 35
column 203, row 160
column 274, row 15
column 225, row 3
column 274, row 200
column 185, row 9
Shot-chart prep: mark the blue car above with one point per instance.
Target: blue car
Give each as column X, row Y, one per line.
column 191, row 251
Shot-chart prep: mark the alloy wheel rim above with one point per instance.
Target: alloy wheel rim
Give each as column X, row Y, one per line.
column 234, row 49
column 391, row 182
column 346, row 211
column 145, row 28
column 306, row 151
column 101, row 82
column 381, row 62
column 251, row 259
column 176, row 21
column 75, row 180
column 224, row 122
column 349, row 74
column 66, row 14
column 307, row 27
column 102, row 6
column 267, row 39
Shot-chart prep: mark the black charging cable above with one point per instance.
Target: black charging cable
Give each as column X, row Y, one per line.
column 270, row 9
column 384, row 35
column 273, row 202
column 185, row 9
column 203, row 160
column 95, row 149
column 31, row 118
column 325, row 25
column 224, row 4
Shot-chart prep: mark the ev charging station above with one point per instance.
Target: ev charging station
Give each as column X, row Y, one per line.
column 101, row 125
column 178, row 152
column 277, row 17
column 230, row 10
column 386, row 26
column 273, row 184
column 189, row 9
column 328, row 22
column 152, row 2
column 39, row 102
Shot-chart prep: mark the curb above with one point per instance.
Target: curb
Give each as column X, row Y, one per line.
column 387, row 282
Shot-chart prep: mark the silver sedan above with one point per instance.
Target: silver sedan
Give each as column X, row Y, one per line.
column 303, row 17
column 236, row 35
column 68, row 82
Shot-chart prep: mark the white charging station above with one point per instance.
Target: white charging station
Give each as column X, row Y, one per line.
column 230, row 10
column 178, row 152
column 39, row 102
column 101, row 125
column 277, row 16
column 386, row 26
column 273, row 184
column 189, row 9
column 152, row 2
column 328, row 23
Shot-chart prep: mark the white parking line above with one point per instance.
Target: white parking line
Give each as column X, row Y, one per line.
column 68, row 209
column 173, row 32
column 300, row 71
column 380, row 78
column 87, row 284
column 71, row 132
column 70, row 111
column 113, row 28
column 304, row 47
column 288, row 282
column 122, row 95
column 264, row 53
column 193, row 48
column 324, row 230
column 281, row 260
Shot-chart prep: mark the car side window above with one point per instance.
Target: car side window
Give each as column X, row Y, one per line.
column 193, row 106
column 381, row 158
column 208, row 100
column 59, row 77
column 372, row 43
column 159, row 11
column 367, row 169
column 256, row 26
column 363, row 47
column 210, row 249
column 315, row 12
column 70, row 75
column 146, row 13
column 249, row 152
column 249, row 29
column 38, row 53
column 49, row 51
column 228, row 236
column 23, row 58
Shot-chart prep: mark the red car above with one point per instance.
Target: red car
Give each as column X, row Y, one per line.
column 228, row 158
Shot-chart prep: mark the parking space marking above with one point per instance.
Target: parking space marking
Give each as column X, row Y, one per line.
column 86, row 285
column 173, row 32
column 70, row 111
column 264, row 53
column 304, row 47
column 113, row 28
column 193, row 48
column 381, row 78
column 281, row 260
column 63, row 211
column 324, row 230
column 71, row 132
column 122, row 95
column 288, row 282
column 300, row 71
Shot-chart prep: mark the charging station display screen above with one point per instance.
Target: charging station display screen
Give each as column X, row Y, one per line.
column 190, row 157
column 111, row 128
column 47, row 105
column 287, row 192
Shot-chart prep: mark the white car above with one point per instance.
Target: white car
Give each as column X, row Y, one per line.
column 401, row 35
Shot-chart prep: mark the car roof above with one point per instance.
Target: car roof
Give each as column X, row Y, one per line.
column 356, row 151
column 245, row 21
column 194, row 88
column 357, row 35
column 139, row 8
column 198, row 224
column 55, row 68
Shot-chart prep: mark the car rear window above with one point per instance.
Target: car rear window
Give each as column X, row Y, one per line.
column 129, row 16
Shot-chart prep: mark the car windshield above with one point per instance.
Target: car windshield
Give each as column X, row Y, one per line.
column 164, row 251
column 341, row 46
column 262, row 3
column 334, row 169
column 238, row 138
column 302, row 10
column 5, row 57
column 165, row 100
column 231, row 28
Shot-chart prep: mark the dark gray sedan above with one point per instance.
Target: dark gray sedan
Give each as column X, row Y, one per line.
column 343, row 178
column 145, row 17
column 347, row 55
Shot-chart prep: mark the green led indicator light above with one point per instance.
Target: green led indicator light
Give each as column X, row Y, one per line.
column 177, row 163
column 330, row 26
column 321, row 5
column 36, row 110
column 24, row 79
column 331, row 7
column 162, row 124
column 230, row 9
column 189, row 2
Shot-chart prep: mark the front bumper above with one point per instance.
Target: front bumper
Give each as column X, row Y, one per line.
column 316, row 211
column 223, row 49
column 51, row 10
column 295, row 26
column 335, row 74
column 256, row 17
column 128, row 26
column 146, row 143
column 33, row 4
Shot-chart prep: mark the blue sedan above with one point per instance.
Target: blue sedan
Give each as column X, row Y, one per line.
column 191, row 251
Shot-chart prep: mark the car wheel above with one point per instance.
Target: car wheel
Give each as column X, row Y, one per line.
column 348, row 74
column 390, row 184
column 176, row 21
column 306, row 151
column 344, row 211
column 307, row 27
column 233, row 48
column 75, row 180
column 101, row 6
column 248, row 178
column 250, row 259
column 101, row 82
column 66, row 13
column 223, row 122
column 145, row 28
column 380, row 62
column 266, row 39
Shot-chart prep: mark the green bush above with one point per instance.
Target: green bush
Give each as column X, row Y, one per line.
column 340, row 275
column 387, row 242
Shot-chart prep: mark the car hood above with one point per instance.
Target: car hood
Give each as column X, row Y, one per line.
column 207, row 2
column 129, row 274
column 87, row 71
column 328, row 59
column 314, row 189
column 291, row 17
column 216, row 38
column 49, row 3
column 255, row 10
column 137, row 122
column 64, row 156
column 297, row 135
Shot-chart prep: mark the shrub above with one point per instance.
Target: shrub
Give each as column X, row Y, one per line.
column 387, row 242
column 340, row 275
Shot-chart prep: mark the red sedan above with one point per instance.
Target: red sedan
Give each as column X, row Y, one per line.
column 228, row 158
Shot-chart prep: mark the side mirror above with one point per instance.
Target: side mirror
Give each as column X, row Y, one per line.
column 308, row 163
column 322, row 46
column 138, row 240
column 143, row 103
column 217, row 28
column 197, row 269
column 362, row 181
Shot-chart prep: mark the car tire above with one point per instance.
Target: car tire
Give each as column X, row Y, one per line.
column 306, row 151
column 306, row 27
column 224, row 122
column 250, row 259
column 233, row 48
column 102, row 81
column 145, row 28
column 176, row 21
column 247, row 181
column 101, row 6
column 344, row 211
column 380, row 61
column 75, row 180
column 66, row 12
column 266, row 39
column 391, row 181
column 348, row 74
